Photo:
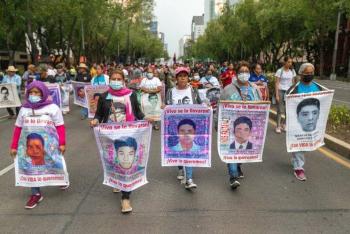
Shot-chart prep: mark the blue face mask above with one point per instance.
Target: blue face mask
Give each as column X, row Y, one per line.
column 34, row 99
column 116, row 84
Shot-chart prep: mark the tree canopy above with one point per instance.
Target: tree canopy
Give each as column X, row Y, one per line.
column 109, row 29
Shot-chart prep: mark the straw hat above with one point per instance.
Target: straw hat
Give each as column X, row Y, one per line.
column 83, row 65
column 11, row 69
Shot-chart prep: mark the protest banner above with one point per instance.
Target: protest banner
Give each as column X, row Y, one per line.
column 186, row 135
column 242, row 130
column 93, row 93
column 55, row 93
column 124, row 150
column 9, row 96
column 39, row 162
column 151, row 105
column 79, row 93
column 65, row 93
column 307, row 116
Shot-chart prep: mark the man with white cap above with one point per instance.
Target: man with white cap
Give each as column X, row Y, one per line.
column 13, row 78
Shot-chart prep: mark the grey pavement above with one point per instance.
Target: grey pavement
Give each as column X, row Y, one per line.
column 342, row 91
column 270, row 199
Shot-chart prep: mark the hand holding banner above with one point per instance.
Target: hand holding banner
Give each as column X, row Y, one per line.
column 124, row 150
column 186, row 136
column 242, row 130
column 307, row 116
column 39, row 162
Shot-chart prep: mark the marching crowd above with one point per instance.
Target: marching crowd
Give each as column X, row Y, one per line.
column 237, row 82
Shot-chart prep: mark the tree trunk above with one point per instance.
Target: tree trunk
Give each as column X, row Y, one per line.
column 69, row 40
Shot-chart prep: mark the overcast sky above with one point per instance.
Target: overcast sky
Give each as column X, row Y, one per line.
column 174, row 19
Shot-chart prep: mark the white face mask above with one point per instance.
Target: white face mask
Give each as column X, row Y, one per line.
column 243, row 77
column 196, row 77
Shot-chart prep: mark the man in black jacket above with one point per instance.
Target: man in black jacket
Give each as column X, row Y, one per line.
column 83, row 74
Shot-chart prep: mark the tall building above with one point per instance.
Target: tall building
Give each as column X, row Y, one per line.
column 183, row 44
column 213, row 8
column 154, row 27
column 161, row 36
column 197, row 28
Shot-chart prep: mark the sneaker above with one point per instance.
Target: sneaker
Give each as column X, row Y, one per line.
column 278, row 130
column 156, row 127
column 240, row 172
column 300, row 175
column 33, row 201
column 115, row 190
column 189, row 184
column 284, row 127
column 64, row 187
column 126, row 206
column 180, row 174
column 234, row 183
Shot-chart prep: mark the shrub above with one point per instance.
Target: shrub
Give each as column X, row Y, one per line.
column 339, row 117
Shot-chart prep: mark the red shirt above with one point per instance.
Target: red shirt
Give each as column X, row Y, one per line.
column 227, row 77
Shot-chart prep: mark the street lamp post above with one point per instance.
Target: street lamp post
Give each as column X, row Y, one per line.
column 335, row 52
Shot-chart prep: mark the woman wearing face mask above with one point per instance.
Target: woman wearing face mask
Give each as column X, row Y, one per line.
column 151, row 84
column 118, row 104
column 209, row 81
column 240, row 90
column 195, row 82
column 37, row 103
column 285, row 76
column 306, row 85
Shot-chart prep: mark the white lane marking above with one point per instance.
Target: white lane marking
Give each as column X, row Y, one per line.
column 4, row 116
column 337, row 100
column 7, row 169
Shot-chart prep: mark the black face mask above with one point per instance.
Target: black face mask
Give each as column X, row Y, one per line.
column 308, row 78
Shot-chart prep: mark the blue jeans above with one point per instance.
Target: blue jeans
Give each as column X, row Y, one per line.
column 232, row 169
column 298, row 160
column 84, row 112
column 188, row 171
column 35, row 190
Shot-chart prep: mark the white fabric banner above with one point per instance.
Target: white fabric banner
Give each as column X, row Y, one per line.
column 39, row 162
column 9, row 96
column 55, row 93
column 92, row 94
column 65, row 93
column 242, row 131
column 186, row 135
column 79, row 93
column 124, row 150
column 307, row 116
column 151, row 105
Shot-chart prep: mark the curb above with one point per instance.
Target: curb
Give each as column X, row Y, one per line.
column 332, row 143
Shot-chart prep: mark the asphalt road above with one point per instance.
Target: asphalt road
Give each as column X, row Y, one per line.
column 342, row 91
column 270, row 199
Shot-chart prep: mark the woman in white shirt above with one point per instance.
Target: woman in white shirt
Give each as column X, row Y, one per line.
column 285, row 77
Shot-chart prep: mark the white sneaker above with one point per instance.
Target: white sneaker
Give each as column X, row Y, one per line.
column 278, row 130
column 189, row 184
column 180, row 174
